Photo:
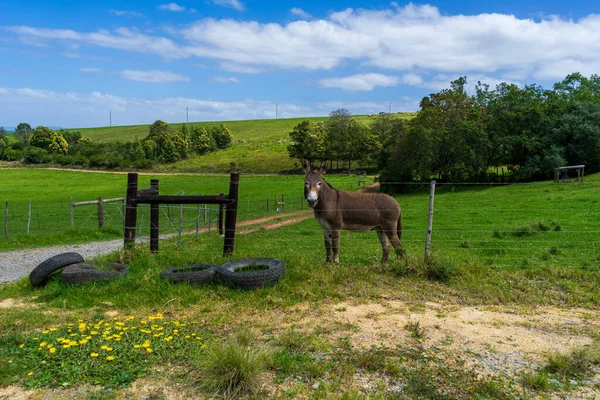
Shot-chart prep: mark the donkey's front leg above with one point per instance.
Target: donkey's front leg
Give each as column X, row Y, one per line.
column 327, row 236
column 335, row 244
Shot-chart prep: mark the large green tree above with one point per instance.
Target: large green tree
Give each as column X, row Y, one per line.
column 51, row 141
column 307, row 140
column 23, row 132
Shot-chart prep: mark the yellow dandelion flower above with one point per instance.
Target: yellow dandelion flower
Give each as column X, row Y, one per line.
column 110, row 358
column 83, row 341
column 204, row 346
column 176, row 331
column 187, row 336
column 45, row 332
column 158, row 334
column 43, row 344
column 93, row 332
column 36, row 338
column 149, row 350
column 146, row 343
column 94, row 355
column 30, row 373
column 52, row 350
column 21, row 345
column 168, row 338
column 52, row 329
column 137, row 346
column 73, row 334
column 66, row 346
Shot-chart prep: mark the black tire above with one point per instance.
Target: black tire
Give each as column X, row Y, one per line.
column 192, row 274
column 40, row 274
column 76, row 274
column 232, row 273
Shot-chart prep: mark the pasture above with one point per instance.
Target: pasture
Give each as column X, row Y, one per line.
column 511, row 289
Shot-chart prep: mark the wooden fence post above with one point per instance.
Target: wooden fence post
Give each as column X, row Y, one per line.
column 72, row 213
column 131, row 209
column 29, row 217
column 100, row 213
column 154, row 219
column 430, row 219
column 6, row 221
column 231, row 214
column 180, row 222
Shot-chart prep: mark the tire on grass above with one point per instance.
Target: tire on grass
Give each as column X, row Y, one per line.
column 250, row 273
column 192, row 274
column 76, row 274
column 40, row 274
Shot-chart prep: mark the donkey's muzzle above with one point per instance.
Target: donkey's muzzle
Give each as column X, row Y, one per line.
column 311, row 202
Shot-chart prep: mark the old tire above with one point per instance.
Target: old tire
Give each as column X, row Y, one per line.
column 251, row 273
column 76, row 274
column 40, row 274
column 192, row 274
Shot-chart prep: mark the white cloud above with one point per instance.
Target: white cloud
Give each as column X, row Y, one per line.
column 361, row 82
column 123, row 13
column 242, row 69
column 235, row 4
column 152, row 76
column 224, row 79
column 412, row 38
column 171, row 7
column 300, row 13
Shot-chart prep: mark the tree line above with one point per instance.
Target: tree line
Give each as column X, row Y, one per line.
column 163, row 144
column 469, row 136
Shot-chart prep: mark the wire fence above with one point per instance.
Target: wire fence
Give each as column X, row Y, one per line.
column 508, row 226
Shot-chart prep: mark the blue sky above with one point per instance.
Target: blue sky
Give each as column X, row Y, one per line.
column 71, row 64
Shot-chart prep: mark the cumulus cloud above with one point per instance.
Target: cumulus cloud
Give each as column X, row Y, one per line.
column 171, row 7
column 224, row 79
column 400, row 38
column 361, row 82
column 235, row 4
column 152, row 76
column 300, row 13
column 123, row 13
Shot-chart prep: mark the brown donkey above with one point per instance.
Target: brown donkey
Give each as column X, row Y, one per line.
column 337, row 209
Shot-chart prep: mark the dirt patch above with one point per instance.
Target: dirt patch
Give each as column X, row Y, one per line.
column 13, row 303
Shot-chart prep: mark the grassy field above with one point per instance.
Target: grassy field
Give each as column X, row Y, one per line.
column 259, row 146
column 526, row 251
column 50, row 192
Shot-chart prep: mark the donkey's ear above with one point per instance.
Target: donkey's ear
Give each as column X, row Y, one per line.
column 306, row 165
column 323, row 166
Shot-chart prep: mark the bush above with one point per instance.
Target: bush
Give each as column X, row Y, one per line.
column 432, row 268
column 12, row 154
column 35, row 155
column 64, row 160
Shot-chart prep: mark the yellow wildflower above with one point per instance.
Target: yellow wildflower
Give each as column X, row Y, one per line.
column 43, row 344
column 148, row 349
column 94, row 355
column 52, row 350
column 110, row 358
column 30, row 373
column 21, row 345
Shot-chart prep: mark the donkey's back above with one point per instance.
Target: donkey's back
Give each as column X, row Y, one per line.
column 367, row 211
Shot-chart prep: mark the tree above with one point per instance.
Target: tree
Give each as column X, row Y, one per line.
column 23, row 132
column 159, row 128
column 307, row 140
column 388, row 130
column 222, row 136
column 336, row 129
column 49, row 140
column 201, row 141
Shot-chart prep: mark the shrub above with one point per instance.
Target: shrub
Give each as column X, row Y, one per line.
column 12, row 154
column 432, row 268
column 35, row 155
column 222, row 136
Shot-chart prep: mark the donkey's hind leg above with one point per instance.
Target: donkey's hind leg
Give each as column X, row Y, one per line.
column 392, row 235
column 385, row 246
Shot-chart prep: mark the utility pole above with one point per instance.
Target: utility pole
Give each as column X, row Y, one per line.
column 110, row 118
column 276, row 106
column 186, row 115
column 390, row 109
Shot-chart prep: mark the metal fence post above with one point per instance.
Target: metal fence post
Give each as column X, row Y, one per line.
column 430, row 219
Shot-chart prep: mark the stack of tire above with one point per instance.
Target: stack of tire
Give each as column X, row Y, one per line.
column 248, row 273
column 74, row 270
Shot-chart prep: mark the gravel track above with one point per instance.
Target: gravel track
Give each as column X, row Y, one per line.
column 19, row 263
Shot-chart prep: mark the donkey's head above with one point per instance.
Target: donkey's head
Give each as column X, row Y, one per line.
column 313, row 182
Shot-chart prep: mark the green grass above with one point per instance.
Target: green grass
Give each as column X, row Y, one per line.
column 50, row 192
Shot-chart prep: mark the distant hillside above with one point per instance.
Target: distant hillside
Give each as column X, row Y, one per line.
column 259, row 146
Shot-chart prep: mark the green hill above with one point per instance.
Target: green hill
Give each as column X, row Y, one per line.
column 259, row 146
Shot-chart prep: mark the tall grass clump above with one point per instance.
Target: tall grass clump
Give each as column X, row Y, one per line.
column 431, row 268
column 233, row 368
column 576, row 363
